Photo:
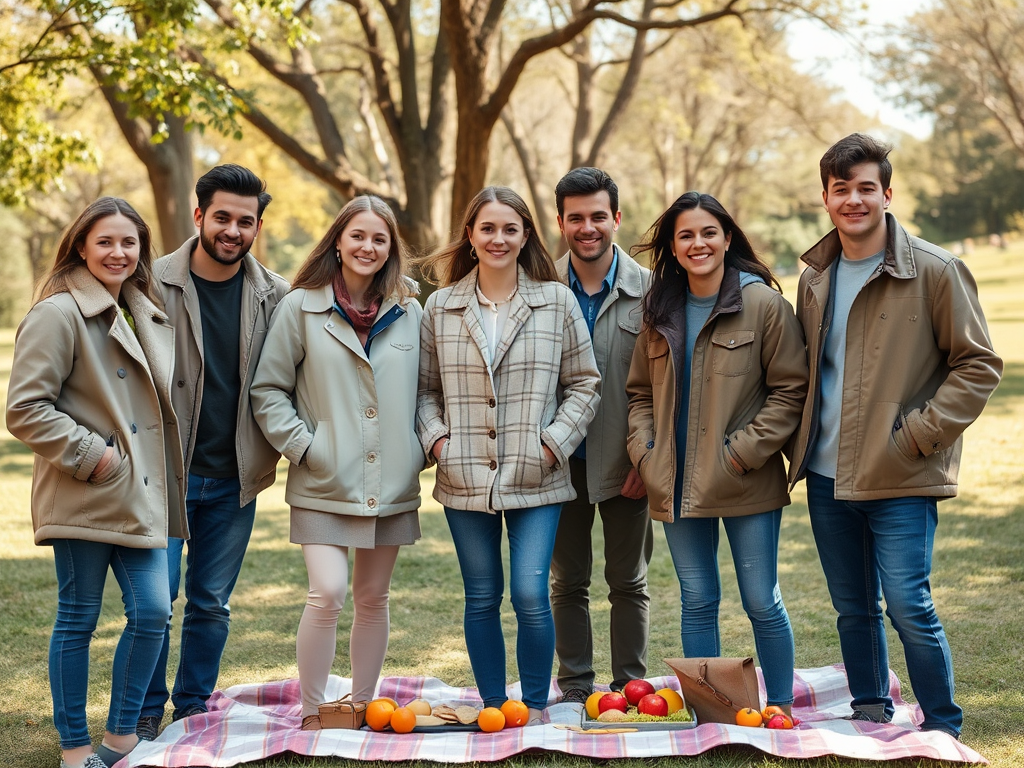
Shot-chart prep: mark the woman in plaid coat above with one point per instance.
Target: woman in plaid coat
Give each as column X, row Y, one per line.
column 508, row 385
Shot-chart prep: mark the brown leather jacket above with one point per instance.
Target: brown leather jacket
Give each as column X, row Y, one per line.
column 747, row 388
column 923, row 364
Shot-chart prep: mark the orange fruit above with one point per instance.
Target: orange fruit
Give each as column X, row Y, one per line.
column 516, row 713
column 770, row 711
column 675, row 701
column 403, row 720
column 419, row 707
column 378, row 714
column 591, row 705
column 749, row 717
column 491, row 719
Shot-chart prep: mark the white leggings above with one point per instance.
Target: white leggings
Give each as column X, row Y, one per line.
column 317, row 637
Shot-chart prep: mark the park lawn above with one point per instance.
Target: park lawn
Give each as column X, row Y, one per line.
column 977, row 583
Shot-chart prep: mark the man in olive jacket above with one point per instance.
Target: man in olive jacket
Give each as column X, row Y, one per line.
column 610, row 288
column 219, row 300
column 901, row 363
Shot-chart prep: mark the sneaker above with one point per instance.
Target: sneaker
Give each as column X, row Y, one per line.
column 92, row 761
column 575, row 696
column 871, row 713
column 148, row 727
column 191, row 709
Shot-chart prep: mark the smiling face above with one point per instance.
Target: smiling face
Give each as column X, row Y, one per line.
column 857, row 209
column 111, row 251
column 497, row 235
column 364, row 245
column 588, row 224
column 228, row 227
column 699, row 244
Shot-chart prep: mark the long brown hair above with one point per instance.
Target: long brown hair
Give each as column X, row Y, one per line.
column 669, row 281
column 321, row 265
column 69, row 253
column 450, row 263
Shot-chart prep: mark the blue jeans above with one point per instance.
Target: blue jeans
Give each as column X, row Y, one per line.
column 754, row 541
column 884, row 547
column 219, row 533
column 531, row 539
column 81, row 573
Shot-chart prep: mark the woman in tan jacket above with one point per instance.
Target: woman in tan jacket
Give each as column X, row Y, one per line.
column 90, row 395
column 716, row 387
column 335, row 392
column 508, row 385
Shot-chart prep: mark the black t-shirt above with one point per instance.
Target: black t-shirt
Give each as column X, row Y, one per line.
column 220, row 305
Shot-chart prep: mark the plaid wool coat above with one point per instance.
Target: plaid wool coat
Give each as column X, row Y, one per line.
column 542, row 389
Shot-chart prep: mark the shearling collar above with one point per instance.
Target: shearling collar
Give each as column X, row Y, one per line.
column 93, row 298
column 899, row 251
column 178, row 272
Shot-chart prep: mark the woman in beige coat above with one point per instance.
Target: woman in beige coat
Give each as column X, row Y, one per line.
column 90, row 395
column 508, row 385
column 335, row 392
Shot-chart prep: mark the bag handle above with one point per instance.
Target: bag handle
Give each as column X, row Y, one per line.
column 702, row 671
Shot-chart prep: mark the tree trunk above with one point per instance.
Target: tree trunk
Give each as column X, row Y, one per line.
column 173, row 182
column 472, row 152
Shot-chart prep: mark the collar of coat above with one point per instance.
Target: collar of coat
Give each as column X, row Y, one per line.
column 322, row 299
column 93, row 298
column 899, row 250
column 178, row 269
column 628, row 279
column 530, row 291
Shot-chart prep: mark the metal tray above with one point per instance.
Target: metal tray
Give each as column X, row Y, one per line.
column 588, row 724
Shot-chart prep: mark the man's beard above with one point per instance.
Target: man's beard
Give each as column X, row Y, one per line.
column 605, row 245
column 210, row 246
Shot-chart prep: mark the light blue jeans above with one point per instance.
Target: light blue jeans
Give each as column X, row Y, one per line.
column 219, row 535
column 531, row 539
column 884, row 547
column 754, row 541
column 81, row 573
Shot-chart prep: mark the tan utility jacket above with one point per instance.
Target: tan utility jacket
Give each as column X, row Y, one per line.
column 346, row 421
column 918, row 359
column 81, row 377
column 257, row 460
column 747, row 388
column 541, row 390
column 615, row 333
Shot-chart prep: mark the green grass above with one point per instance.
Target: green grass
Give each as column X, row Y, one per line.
column 977, row 582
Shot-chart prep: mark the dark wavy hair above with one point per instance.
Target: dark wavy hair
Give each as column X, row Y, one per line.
column 669, row 280
column 450, row 263
column 857, row 148
column 234, row 179
column 69, row 252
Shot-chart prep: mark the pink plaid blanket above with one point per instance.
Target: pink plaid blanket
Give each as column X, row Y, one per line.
column 253, row 722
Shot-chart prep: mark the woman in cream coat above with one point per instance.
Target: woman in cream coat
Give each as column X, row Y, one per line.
column 508, row 385
column 90, row 395
column 335, row 392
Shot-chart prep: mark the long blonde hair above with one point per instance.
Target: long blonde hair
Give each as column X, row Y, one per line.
column 321, row 265
column 69, row 253
column 450, row 263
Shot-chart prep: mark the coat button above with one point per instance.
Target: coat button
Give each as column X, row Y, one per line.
column 181, row 383
column 371, row 503
column 492, row 434
column 121, row 373
column 650, row 444
column 371, row 413
column 731, row 342
column 371, row 457
column 493, row 464
column 491, row 403
column 135, row 429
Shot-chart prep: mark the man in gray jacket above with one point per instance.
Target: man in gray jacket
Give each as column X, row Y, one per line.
column 610, row 287
column 219, row 300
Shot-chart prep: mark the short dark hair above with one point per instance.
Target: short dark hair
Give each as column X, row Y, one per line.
column 585, row 181
column 855, row 149
column 234, row 179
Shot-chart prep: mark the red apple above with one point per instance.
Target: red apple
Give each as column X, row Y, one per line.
column 780, row 722
column 635, row 690
column 653, row 704
column 612, row 701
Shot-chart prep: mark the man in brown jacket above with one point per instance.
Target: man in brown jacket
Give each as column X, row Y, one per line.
column 219, row 300
column 901, row 364
column 610, row 288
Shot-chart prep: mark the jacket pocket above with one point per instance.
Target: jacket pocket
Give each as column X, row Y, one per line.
column 657, row 358
column 901, row 437
column 117, row 466
column 627, row 339
column 732, row 352
column 314, row 460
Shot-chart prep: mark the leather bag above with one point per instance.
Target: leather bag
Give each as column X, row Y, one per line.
column 717, row 688
column 343, row 713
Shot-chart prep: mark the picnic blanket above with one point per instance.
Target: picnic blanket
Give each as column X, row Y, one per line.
column 253, row 722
